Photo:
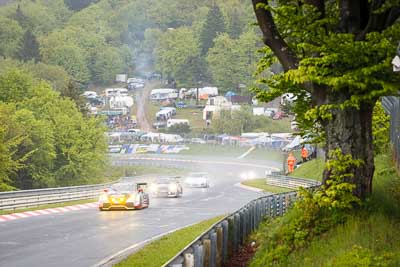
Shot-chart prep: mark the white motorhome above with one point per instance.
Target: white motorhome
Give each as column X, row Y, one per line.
column 172, row 109
column 172, row 122
column 164, row 115
column 163, row 94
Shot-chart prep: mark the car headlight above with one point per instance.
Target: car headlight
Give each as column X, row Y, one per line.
column 153, row 187
column 172, row 187
column 251, row 175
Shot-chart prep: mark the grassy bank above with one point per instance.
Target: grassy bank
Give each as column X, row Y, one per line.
column 369, row 236
column 232, row 151
column 121, row 171
column 312, row 169
column 260, row 183
column 160, row 251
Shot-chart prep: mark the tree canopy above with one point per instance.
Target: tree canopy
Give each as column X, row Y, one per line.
column 336, row 57
column 45, row 140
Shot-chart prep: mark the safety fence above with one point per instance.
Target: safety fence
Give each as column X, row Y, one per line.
column 221, row 241
column 32, row 198
column 277, row 179
column 391, row 105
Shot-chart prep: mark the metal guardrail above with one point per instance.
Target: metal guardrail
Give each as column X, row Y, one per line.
column 31, row 198
column 290, row 182
column 219, row 243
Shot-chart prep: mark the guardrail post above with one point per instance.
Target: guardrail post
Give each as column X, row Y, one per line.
column 253, row 216
column 225, row 242
column 213, row 252
column 231, row 235
column 198, row 255
column 189, row 260
column 241, row 227
column 273, row 206
column 269, row 204
column 206, row 252
column 220, row 242
column 280, row 201
column 236, row 232
column 177, row 262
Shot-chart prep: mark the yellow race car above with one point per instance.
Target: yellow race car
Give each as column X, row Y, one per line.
column 128, row 196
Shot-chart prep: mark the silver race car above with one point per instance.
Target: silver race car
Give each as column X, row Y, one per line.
column 166, row 187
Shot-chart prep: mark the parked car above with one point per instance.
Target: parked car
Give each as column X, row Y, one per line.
column 180, row 104
column 166, row 187
column 127, row 196
column 197, row 141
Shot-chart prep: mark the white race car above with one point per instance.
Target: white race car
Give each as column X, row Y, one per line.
column 197, row 179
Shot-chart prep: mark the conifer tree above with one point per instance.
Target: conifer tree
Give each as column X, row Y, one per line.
column 29, row 48
column 214, row 25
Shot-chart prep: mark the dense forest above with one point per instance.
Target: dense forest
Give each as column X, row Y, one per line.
column 52, row 50
column 208, row 42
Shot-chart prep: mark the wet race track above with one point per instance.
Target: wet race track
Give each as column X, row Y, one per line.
column 89, row 237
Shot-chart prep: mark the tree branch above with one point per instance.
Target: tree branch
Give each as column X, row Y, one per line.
column 379, row 21
column 272, row 37
column 350, row 16
column 394, row 14
column 319, row 5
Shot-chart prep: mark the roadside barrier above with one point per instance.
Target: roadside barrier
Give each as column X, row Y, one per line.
column 32, row 198
column 219, row 243
column 222, row 240
column 277, row 179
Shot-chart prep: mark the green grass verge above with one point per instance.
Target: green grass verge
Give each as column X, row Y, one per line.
column 160, row 251
column 232, row 151
column 369, row 237
column 49, row 206
column 260, row 183
column 144, row 170
column 195, row 117
column 311, row 169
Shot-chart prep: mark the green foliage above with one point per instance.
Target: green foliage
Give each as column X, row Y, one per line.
column 45, row 140
column 313, row 214
column 78, row 4
column 240, row 121
column 359, row 256
column 232, row 61
column 11, row 35
column 365, row 237
column 213, row 26
column 107, row 63
column 174, row 52
column 380, row 129
column 29, row 48
column 72, row 59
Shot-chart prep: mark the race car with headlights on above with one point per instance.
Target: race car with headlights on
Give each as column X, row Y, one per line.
column 166, row 187
column 197, row 179
column 127, row 196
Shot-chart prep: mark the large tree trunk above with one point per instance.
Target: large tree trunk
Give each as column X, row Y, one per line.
column 350, row 130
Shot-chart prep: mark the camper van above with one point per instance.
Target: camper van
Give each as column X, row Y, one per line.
column 164, row 115
column 163, row 94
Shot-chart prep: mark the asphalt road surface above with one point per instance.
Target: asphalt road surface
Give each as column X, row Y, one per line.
column 87, row 237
